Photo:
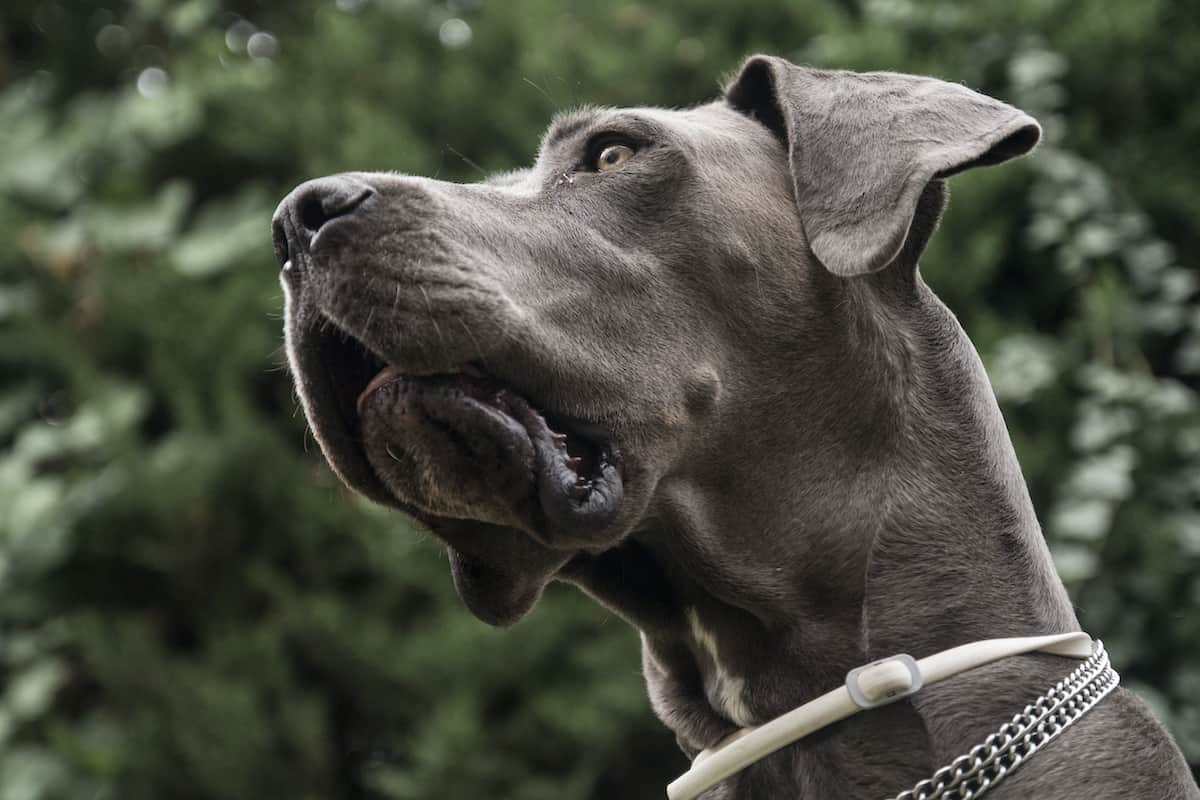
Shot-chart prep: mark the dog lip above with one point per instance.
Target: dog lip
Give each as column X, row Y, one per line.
column 577, row 470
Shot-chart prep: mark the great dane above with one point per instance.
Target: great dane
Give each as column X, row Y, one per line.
column 687, row 363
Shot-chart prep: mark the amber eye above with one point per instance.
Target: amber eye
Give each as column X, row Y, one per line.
column 613, row 156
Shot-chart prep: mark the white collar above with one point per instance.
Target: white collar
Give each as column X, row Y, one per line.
column 869, row 686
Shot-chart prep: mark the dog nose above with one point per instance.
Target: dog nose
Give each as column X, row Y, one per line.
column 309, row 208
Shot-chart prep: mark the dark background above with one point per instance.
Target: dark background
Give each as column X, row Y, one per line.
column 190, row 607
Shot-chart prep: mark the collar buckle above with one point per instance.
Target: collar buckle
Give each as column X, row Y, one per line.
column 884, row 681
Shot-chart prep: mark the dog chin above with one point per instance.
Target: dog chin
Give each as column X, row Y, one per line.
column 498, row 572
column 498, row 595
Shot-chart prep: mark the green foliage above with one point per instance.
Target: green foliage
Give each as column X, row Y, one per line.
column 191, row 608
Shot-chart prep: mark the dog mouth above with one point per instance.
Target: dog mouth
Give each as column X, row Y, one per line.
column 458, row 442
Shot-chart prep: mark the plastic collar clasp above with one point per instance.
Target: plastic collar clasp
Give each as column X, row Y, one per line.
column 884, row 681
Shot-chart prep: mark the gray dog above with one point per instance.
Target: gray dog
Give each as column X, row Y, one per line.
column 687, row 363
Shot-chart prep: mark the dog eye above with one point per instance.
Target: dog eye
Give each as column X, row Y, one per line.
column 612, row 157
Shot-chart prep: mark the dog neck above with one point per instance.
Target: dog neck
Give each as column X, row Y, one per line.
column 756, row 588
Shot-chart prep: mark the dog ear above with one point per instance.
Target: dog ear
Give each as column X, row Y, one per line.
column 864, row 147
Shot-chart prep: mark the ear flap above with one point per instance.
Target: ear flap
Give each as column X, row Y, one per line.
column 863, row 147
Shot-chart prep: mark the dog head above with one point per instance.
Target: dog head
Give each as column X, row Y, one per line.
column 520, row 364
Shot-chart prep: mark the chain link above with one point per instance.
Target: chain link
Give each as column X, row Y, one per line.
column 971, row 775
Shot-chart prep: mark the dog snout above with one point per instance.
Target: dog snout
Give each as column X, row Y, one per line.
column 309, row 209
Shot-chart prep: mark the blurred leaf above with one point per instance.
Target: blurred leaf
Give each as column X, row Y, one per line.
column 224, row 621
column 224, row 233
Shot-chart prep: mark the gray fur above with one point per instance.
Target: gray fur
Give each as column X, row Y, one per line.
column 815, row 470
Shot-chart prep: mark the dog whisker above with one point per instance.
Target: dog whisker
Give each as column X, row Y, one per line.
column 367, row 323
column 468, row 161
column 471, row 336
column 432, row 318
column 540, row 89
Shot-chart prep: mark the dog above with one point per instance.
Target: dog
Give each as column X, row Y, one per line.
column 687, row 363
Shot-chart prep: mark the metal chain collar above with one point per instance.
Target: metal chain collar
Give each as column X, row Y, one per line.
column 971, row 775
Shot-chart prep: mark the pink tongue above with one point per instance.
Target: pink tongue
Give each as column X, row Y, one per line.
column 385, row 376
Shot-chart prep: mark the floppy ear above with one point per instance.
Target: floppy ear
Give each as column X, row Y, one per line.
column 863, row 147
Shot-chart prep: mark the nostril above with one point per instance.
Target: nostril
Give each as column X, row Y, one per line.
column 327, row 199
column 312, row 212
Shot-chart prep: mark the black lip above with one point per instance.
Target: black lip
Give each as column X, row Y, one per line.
column 578, row 475
column 324, row 360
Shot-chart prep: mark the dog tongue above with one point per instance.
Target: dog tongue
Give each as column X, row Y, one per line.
column 393, row 373
column 385, row 376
